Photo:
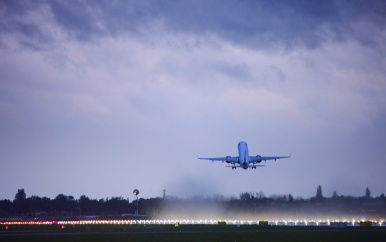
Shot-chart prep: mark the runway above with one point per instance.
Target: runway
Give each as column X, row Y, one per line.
column 327, row 230
column 192, row 230
column 194, row 233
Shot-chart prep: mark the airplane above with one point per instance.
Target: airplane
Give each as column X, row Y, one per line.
column 244, row 160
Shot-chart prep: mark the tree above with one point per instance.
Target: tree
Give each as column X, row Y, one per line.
column 20, row 200
column 20, row 195
column 246, row 196
column 319, row 193
column 61, row 203
column 334, row 194
column 290, row 198
column 260, row 195
column 34, row 203
column 117, row 205
column 84, row 204
column 5, row 208
column 368, row 192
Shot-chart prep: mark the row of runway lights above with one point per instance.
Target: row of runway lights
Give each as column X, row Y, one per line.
column 204, row 222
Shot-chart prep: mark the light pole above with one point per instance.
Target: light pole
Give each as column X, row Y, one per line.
column 136, row 192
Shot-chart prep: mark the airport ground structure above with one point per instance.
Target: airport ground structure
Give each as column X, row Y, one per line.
column 247, row 207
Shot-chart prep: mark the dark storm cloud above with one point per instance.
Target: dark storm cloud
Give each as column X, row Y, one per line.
column 256, row 24
column 252, row 23
column 12, row 23
column 82, row 20
column 77, row 17
column 134, row 91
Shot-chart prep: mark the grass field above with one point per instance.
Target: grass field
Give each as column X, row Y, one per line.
column 110, row 233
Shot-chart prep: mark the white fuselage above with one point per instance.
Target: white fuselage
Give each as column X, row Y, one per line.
column 243, row 154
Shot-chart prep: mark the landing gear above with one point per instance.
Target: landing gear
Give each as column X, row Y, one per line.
column 234, row 167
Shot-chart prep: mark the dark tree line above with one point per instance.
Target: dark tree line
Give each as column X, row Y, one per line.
column 319, row 206
column 249, row 205
column 63, row 206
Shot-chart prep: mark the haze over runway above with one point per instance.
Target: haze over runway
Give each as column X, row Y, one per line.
column 101, row 97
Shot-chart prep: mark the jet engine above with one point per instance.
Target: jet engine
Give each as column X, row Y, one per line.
column 258, row 161
column 227, row 161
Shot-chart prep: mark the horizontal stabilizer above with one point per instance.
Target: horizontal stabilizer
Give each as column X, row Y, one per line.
column 250, row 166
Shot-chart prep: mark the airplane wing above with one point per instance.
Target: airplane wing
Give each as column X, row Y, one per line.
column 265, row 158
column 229, row 159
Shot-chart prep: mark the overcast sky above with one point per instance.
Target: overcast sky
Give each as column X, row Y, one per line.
column 102, row 97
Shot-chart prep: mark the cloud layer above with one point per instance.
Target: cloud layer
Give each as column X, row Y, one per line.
column 100, row 97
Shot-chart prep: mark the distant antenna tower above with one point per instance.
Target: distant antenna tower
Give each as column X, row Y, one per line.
column 164, row 194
